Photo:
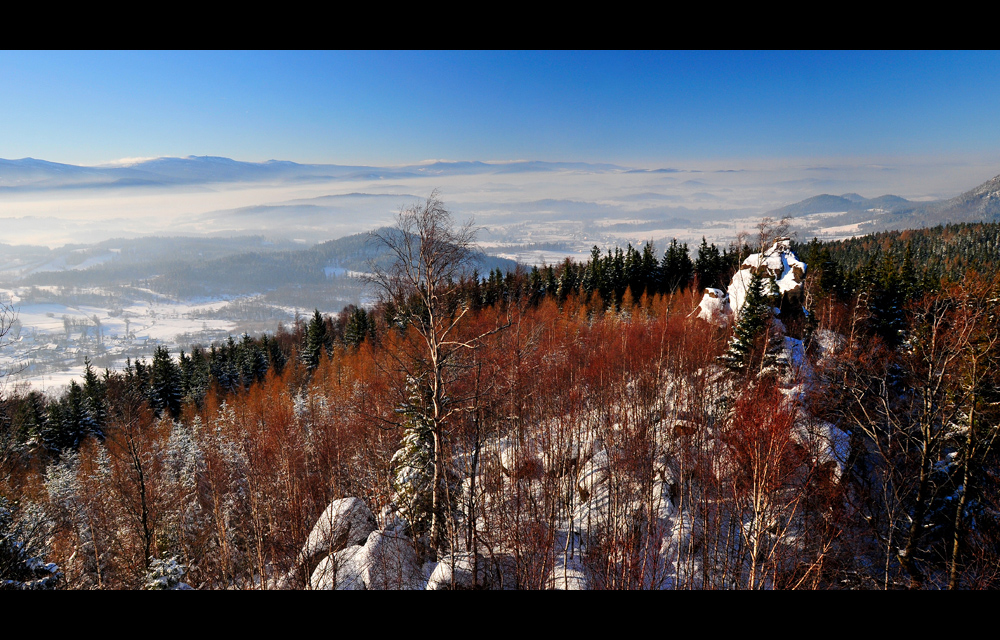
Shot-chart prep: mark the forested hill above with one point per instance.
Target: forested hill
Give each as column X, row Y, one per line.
column 183, row 266
column 942, row 251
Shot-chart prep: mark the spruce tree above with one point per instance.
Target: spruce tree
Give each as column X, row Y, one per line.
column 23, row 534
column 95, row 391
column 593, row 275
column 648, row 269
column 165, row 384
column 358, row 327
column 709, row 267
column 746, row 353
column 677, row 269
column 316, row 341
column 567, row 280
column 413, row 465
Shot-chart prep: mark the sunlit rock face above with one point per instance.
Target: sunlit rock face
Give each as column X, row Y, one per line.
column 778, row 264
column 714, row 306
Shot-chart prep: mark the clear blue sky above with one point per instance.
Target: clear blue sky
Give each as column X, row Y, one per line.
column 643, row 109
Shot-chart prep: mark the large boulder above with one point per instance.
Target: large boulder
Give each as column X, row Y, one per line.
column 391, row 562
column 460, row 571
column 346, row 521
column 714, row 306
column 777, row 263
column 342, row 571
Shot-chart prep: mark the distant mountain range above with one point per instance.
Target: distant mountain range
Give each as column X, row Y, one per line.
column 847, row 202
column 981, row 204
column 32, row 174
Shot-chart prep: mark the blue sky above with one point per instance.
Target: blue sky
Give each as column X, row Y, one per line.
column 635, row 108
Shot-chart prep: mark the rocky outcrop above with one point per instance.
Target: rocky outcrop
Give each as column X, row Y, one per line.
column 714, row 306
column 778, row 265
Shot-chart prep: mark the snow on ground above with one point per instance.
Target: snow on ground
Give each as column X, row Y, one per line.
column 844, row 229
column 52, row 338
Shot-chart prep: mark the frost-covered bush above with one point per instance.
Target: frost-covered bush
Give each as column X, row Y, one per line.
column 413, row 464
column 23, row 529
column 166, row 575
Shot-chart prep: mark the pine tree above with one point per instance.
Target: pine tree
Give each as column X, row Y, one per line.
column 166, row 575
column 22, row 549
column 593, row 275
column 677, row 269
column 95, row 391
column 648, row 269
column 275, row 356
column 567, row 280
column 70, row 420
column 710, row 266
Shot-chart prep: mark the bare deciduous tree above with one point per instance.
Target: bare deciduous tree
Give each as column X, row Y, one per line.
column 8, row 325
column 430, row 254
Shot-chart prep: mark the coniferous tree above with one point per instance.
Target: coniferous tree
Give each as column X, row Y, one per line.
column 276, row 359
column 316, row 341
column 755, row 344
column 70, row 420
column 567, row 280
column 195, row 371
column 358, row 327
column 676, row 269
column 95, row 392
column 648, row 269
column 592, row 276
column 633, row 270
column 22, row 550
column 413, row 468
column 413, row 463
column 165, row 384
column 710, row 267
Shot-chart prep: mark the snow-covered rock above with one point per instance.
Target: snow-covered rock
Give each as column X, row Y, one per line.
column 391, row 563
column 342, row 571
column 457, row 571
column 827, row 443
column 391, row 520
column 778, row 264
column 520, row 462
column 714, row 306
column 345, row 521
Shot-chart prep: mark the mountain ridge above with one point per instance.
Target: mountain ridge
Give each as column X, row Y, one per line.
column 890, row 212
column 35, row 174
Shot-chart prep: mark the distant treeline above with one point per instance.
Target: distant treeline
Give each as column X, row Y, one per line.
column 940, row 252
